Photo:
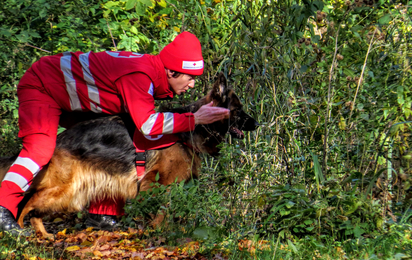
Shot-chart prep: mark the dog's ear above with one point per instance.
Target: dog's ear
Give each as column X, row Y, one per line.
column 219, row 88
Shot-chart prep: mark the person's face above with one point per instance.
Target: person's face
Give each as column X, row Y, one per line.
column 180, row 84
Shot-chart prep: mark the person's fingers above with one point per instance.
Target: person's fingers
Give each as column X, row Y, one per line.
column 208, row 114
column 219, row 110
column 220, row 113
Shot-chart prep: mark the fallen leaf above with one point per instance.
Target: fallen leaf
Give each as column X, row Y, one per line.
column 86, row 250
column 89, row 229
column 138, row 256
column 57, row 220
column 170, row 253
column 132, row 230
column 72, row 248
column 160, row 240
column 62, row 233
column 105, row 247
column 81, row 237
column 102, row 240
column 97, row 253
column 149, row 256
column 106, row 252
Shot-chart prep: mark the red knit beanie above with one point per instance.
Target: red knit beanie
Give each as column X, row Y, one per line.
column 183, row 54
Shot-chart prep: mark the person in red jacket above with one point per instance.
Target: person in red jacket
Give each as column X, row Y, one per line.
column 110, row 82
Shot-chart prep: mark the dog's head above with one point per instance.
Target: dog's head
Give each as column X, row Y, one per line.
column 239, row 120
column 206, row 138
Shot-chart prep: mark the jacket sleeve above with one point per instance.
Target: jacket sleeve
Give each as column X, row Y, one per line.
column 137, row 91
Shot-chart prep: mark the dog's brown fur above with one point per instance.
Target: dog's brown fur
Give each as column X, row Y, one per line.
column 71, row 180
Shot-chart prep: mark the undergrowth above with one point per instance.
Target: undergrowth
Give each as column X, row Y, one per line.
column 326, row 175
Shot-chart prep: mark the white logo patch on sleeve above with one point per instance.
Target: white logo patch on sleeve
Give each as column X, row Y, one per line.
column 192, row 65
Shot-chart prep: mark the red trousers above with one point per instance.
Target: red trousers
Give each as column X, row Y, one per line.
column 39, row 118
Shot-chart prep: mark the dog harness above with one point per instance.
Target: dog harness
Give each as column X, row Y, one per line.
column 105, row 82
column 144, row 143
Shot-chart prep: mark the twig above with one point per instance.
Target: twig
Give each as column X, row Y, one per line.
column 111, row 35
column 152, row 37
column 361, row 78
column 325, row 140
column 177, row 9
column 183, row 22
column 37, row 48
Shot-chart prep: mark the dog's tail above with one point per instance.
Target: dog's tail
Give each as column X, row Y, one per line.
column 5, row 163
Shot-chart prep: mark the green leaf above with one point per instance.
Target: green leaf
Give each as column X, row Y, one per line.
column 106, row 13
column 110, row 4
column 284, row 212
column 318, row 171
column 34, row 34
column 130, row 4
column 23, row 36
column 157, row 177
column 401, row 256
column 310, row 228
column 43, row 13
column 146, row 2
column 165, row 11
column 133, row 30
column 386, row 19
column 358, row 231
column 291, row 245
column 140, row 9
column 349, row 73
column 401, row 99
column 162, row 3
column 204, row 233
column 308, row 221
column 290, row 204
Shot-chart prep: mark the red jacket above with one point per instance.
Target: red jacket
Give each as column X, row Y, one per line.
column 113, row 82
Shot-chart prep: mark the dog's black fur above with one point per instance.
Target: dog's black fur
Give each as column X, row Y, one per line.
column 96, row 158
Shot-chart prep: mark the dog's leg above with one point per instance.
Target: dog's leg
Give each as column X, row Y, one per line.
column 176, row 163
column 25, row 211
column 144, row 185
column 36, row 220
column 37, row 223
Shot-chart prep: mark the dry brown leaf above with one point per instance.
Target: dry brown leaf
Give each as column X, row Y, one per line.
column 86, row 243
column 138, row 255
column 97, row 253
column 105, row 247
column 170, row 253
column 251, row 246
column 102, row 240
column 61, row 234
column 81, row 237
column 106, row 252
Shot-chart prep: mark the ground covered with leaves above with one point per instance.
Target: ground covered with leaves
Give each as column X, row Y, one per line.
column 128, row 244
column 72, row 242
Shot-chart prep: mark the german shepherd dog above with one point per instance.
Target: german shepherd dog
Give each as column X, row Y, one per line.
column 95, row 159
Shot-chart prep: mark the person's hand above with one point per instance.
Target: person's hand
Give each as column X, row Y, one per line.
column 208, row 114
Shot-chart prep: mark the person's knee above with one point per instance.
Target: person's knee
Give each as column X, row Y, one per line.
column 38, row 147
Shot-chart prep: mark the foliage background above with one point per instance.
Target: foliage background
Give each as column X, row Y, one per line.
column 329, row 81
